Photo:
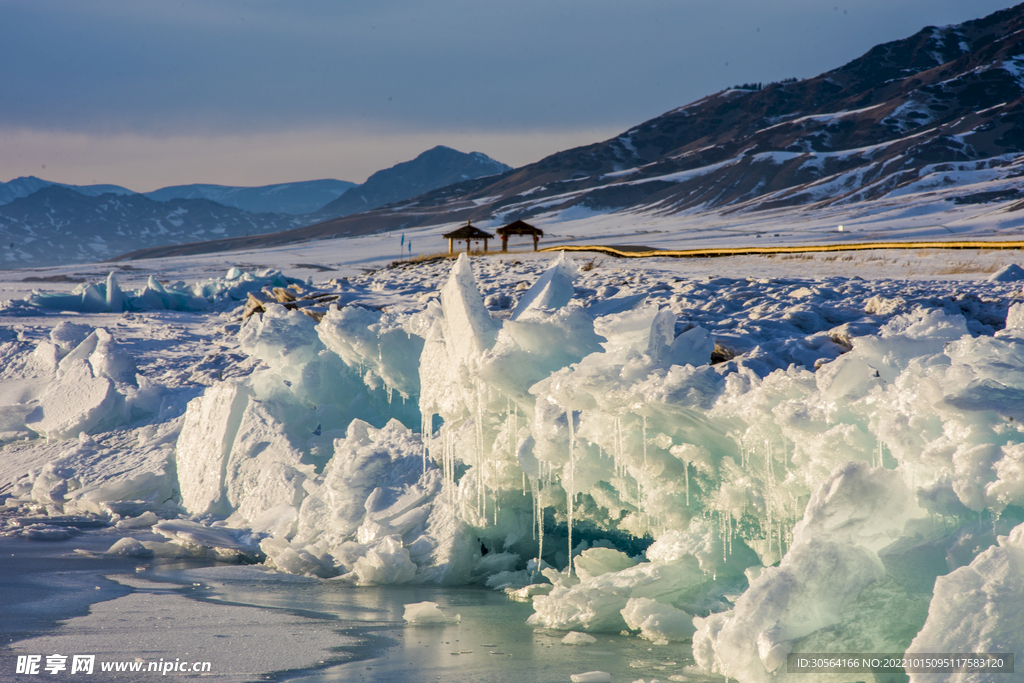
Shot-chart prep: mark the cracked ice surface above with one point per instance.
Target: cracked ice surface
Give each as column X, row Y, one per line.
column 847, row 477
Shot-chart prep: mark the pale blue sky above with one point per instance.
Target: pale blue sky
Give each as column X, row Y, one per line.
column 146, row 93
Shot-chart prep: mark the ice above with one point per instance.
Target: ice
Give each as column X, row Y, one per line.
column 597, row 561
column 596, row 604
column 221, row 543
column 977, row 608
column 74, row 404
column 657, row 621
column 108, row 296
column 67, row 335
column 858, row 505
column 145, row 520
column 577, row 638
column 129, row 547
column 361, row 337
column 263, row 470
column 810, row 590
column 591, row 677
column 386, row 563
column 208, row 433
column 853, row 455
column 425, row 613
column 1014, row 320
column 469, row 329
column 554, row 289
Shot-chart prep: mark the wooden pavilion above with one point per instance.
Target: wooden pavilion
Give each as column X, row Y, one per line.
column 519, row 228
column 467, row 232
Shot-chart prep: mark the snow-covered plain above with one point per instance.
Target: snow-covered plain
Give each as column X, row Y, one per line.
column 847, row 475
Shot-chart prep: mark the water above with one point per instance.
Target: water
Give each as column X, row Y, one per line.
column 491, row 643
column 366, row 636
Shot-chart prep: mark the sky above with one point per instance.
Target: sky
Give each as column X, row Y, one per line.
column 150, row 93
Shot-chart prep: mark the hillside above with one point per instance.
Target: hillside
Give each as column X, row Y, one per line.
column 435, row 168
column 59, row 225
column 292, row 198
column 940, row 109
column 45, row 223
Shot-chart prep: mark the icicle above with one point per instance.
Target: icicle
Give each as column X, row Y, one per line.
column 644, row 429
column 686, row 481
column 540, row 545
column 426, row 433
column 729, row 520
column 570, row 493
column 769, row 497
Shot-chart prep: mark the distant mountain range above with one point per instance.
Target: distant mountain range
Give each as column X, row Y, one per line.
column 23, row 187
column 43, row 223
column 298, row 198
column 438, row 167
column 292, row 198
column 58, row 225
column 943, row 108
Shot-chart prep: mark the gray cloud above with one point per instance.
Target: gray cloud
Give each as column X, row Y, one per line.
column 112, row 87
column 111, row 65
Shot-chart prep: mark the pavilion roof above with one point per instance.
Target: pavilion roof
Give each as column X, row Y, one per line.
column 519, row 228
column 468, row 231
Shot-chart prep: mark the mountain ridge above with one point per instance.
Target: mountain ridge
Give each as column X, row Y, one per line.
column 437, row 167
column 296, row 198
column 57, row 223
column 945, row 100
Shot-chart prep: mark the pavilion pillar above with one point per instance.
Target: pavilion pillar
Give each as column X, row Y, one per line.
column 535, row 240
column 504, row 243
column 451, row 246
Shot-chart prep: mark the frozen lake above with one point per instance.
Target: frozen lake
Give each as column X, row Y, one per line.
column 332, row 631
column 736, row 411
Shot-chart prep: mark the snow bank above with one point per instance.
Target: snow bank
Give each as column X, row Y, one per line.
column 86, row 379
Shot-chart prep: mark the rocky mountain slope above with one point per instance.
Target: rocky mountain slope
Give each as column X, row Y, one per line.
column 437, row 167
column 942, row 108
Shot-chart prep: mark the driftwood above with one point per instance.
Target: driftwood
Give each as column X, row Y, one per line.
column 314, row 304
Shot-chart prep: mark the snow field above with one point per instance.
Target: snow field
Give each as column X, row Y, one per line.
column 847, row 476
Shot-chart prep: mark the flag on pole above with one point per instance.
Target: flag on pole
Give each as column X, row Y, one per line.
column 403, row 239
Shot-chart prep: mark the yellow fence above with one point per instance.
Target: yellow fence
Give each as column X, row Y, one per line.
column 802, row 249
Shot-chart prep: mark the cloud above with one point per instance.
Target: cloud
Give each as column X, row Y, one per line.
column 116, row 65
column 253, row 79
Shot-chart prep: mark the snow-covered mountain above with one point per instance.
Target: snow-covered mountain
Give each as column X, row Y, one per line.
column 941, row 109
column 59, row 225
column 435, row 168
column 291, row 198
column 44, row 223
column 24, row 186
